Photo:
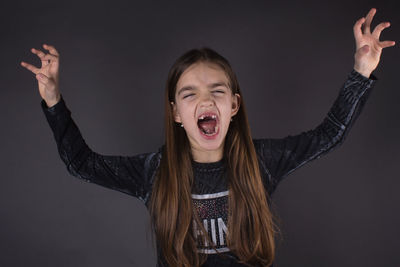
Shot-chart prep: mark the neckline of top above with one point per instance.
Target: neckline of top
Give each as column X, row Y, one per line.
column 217, row 165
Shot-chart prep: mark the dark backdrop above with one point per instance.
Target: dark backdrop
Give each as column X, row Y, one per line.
column 291, row 59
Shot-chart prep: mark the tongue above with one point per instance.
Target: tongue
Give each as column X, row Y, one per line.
column 208, row 127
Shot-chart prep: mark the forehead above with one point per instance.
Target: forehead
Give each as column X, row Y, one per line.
column 202, row 73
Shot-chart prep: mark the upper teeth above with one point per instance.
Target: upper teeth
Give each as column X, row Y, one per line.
column 212, row 116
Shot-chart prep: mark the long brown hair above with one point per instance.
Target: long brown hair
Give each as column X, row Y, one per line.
column 251, row 233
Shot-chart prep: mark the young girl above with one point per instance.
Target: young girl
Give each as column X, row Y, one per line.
column 208, row 188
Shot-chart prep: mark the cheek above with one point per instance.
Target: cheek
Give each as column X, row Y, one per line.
column 186, row 113
column 226, row 107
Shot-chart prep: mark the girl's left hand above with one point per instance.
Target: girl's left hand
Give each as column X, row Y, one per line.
column 368, row 46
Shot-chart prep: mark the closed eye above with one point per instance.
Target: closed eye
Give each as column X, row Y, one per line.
column 188, row 95
column 219, row 91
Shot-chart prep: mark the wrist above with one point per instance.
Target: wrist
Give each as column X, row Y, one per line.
column 52, row 102
column 365, row 73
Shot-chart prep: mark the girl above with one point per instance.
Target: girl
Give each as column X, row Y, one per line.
column 208, row 188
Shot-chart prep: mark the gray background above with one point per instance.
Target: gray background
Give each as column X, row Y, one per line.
column 291, row 60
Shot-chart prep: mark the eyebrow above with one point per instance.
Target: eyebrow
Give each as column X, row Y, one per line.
column 191, row 87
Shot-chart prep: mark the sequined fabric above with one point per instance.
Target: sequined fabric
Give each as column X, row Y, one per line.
column 134, row 175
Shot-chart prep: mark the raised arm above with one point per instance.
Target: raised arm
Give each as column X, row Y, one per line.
column 280, row 157
column 284, row 155
column 131, row 175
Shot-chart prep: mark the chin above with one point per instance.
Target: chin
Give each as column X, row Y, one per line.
column 210, row 143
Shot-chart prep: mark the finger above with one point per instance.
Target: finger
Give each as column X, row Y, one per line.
column 379, row 28
column 51, row 49
column 38, row 52
column 49, row 58
column 42, row 78
column 30, row 67
column 385, row 44
column 357, row 28
column 368, row 20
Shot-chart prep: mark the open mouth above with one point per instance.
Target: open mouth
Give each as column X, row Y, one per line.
column 207, row 124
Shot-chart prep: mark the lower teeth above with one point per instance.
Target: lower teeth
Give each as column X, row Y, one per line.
column 209, row 134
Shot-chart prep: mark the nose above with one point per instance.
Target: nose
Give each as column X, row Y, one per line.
column 206, row 100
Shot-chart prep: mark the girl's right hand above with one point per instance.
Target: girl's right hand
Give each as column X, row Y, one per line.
column 47, row 75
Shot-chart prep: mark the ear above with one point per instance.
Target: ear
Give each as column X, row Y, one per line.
column 177, row 118
column 235, row 104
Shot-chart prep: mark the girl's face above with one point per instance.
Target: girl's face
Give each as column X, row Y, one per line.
column 204, row 104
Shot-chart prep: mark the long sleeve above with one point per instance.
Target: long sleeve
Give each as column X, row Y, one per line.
column 280, row 157
column 126, row 174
